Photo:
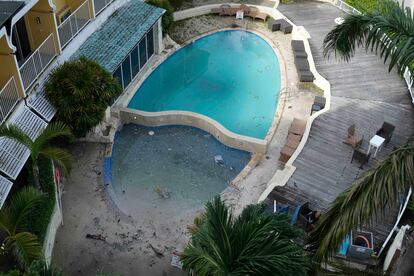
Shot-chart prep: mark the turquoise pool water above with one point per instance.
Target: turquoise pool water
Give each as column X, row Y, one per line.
column 232, row 77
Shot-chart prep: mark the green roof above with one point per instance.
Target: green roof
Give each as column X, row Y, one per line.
column 119, row 34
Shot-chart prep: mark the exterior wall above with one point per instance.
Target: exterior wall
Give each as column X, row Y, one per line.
column 195, row 120
column 158, row 45
column 9, row 66
column 55, row 222
column 40, row 23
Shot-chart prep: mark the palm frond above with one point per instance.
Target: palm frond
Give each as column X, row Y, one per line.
column 377, row 188
column 25, row 248
column 52, row 131
column 388, row 32
column 60, row 156
column 15, row 133
column 13, row 215
column 250, row 244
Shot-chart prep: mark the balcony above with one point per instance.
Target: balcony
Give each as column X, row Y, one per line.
column 74, row 24
column 37, row 62
column 9, row 97
column 100, row 5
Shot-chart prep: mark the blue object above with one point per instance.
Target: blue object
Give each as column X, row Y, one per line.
column 232, row 77
column 282, row 209
column 295, row 215
column 343, row 249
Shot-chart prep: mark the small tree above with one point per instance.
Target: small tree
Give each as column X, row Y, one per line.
column 81, row 90
column 24, row 246
column 41, row 146
column 254, row 243
column 168, row 17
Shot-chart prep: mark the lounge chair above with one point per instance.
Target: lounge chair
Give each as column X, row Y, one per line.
column 297, row 127
column 321, row 101
column 285, row 153
column 225, row 9
column 254, row 13
column 353, row 139
column 360, row 156
column 386, row 132
column 298, row 45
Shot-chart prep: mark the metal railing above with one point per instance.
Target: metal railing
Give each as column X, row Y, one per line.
column 9, row 97
column 100, row 5
column 72, row 25
column 38, row 61
column 345, row 7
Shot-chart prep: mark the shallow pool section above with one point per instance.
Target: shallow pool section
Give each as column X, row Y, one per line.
column 171, row 172
column 232, row 77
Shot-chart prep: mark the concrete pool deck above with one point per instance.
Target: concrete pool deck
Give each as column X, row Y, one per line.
column 87, row 208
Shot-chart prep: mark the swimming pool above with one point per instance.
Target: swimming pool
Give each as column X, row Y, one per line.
column 233, row 77
column 166, row 172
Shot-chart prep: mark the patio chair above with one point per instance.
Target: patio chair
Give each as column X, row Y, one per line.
column 227, row 10
column 297, row 127
column 360, row 156
column 353, row 139
column 255, row 13
column 274, row 25
column 386, row 132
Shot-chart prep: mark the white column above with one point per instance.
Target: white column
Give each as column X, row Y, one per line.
column 159, row 46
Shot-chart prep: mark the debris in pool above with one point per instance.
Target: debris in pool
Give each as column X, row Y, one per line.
column 150, row 133
column 162, row 192
column 219, row 160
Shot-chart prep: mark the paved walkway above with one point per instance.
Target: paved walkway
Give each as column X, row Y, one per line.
column 363, row 93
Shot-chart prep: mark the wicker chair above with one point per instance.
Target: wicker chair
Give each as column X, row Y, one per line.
column 386, row 132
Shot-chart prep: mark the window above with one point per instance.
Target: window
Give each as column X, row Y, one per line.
column 142, row 52
column 126, row 71
column 118, row 75
column 150, row 40
column 135, row 61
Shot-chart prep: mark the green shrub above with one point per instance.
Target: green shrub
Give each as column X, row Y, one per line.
column 364, row 5
column 168, row 17
column 176, row 4
column 39, row 218
column 81, row 90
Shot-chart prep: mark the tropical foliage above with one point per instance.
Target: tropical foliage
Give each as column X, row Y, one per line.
column 23, row 245
column 378, row 187
column 364, row 5
column 387, row 31
column 41, row 145
column 39, row 218
column 168, row 17
column 81, row 90
column 254, row 243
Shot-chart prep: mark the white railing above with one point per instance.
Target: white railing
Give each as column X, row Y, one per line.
column 38, row 61
column 74, row 24
column 409, row 81
column 345, row 7
column 9, row 97
column 100, row 5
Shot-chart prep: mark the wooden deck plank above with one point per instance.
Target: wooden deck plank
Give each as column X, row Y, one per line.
column 363, row 93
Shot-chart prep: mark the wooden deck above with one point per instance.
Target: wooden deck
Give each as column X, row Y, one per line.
column 363, row 93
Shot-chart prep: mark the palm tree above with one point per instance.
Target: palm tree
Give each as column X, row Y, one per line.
column 41, row 146
column 377, row 188
column 254, row 243
column 389, row 31
column 24, row 246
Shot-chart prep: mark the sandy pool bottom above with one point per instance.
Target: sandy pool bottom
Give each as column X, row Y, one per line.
column 166, row 173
